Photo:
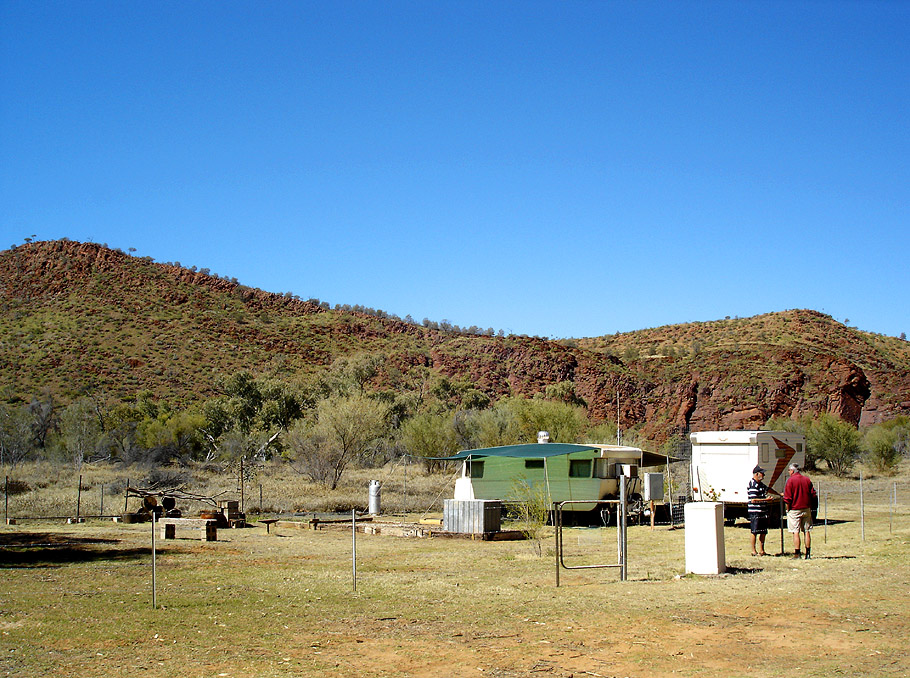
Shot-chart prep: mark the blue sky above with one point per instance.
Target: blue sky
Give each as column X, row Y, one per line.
column 559, row 169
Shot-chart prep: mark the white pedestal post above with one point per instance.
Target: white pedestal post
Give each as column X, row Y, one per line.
column 705, row 538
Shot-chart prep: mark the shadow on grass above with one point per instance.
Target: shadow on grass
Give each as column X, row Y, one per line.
column 743, row 570
column 40, row 549
column 789, row 556
column 816, row 524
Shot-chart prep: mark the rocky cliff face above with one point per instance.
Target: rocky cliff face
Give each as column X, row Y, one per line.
column 77, row 317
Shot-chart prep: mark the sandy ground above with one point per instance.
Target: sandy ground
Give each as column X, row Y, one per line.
column 282, row 604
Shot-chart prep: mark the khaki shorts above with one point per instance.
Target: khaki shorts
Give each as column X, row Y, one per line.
column 799, row 520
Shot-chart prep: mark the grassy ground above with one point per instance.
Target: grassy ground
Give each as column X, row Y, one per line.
column 77, row 600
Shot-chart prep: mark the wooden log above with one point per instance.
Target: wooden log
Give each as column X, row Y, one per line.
column 208, row 528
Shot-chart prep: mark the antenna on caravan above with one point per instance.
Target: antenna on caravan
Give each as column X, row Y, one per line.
column 618, row 432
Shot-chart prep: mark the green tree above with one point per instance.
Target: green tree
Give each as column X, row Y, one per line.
column 604, row 432
column 564, row 422
column 351, row 374
column 344, row 429
column 429, row 435
column 281, row 405
column 243, row 399
column 836, row 441
column 172, row 435
column 474, row 399
column 564, row 392
column 490, row 428
column 630, row 354
column 517, row 420
column 885, row 444
column 120, row 424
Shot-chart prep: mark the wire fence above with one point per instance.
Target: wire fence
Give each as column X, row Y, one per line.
column 878, row 506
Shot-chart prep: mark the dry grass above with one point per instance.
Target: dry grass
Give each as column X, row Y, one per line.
column 53, row 489
column 283, row 604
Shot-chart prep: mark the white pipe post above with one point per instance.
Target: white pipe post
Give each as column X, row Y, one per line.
column 782, row 511
column 623, row 548
column 354, row 548
column 154, row 573
column 826, row 515
column 862, row 508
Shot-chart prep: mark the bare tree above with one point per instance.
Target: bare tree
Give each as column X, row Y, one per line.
column 80, row 430
column 16, row 436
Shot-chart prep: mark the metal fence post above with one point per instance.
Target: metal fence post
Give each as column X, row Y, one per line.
column 154, row 573
column 354, row 548
column 79, row 499
column 623, row 512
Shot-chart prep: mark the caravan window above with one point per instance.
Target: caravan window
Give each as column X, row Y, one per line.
column 603, row 468
column 534, row 463
column 580, row 468
column 764, row 452
column 475, row 469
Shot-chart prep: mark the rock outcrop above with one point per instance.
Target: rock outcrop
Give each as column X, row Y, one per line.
column 79, row 317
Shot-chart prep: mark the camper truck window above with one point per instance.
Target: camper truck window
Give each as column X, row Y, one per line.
column 580, row 468
column 799, row 447
column 603, row 468
column 475, row 469
column 534, row 463
column 764, row 452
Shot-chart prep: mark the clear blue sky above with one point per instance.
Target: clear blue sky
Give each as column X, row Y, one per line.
column 560, row 169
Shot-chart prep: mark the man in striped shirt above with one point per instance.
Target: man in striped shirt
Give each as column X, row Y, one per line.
column 759, row 502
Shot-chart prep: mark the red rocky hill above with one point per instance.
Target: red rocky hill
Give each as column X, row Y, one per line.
column 79, row 318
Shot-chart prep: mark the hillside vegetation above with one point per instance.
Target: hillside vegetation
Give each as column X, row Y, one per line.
column 81, row 320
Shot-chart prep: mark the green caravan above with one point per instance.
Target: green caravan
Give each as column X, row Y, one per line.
column 558, row 471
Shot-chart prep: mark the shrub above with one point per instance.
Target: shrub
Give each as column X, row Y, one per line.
column 17, row 487
column 885, row 445
column 836, row 441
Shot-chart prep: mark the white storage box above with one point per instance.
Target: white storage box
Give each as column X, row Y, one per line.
column 705, row 552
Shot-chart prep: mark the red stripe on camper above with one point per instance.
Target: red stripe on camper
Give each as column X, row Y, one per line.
column 782, row 462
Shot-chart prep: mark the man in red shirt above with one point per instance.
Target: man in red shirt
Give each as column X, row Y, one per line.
column 798, row 496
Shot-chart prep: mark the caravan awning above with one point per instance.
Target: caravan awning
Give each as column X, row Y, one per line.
column 541, row 451
column 656, row 459
column 527, row 451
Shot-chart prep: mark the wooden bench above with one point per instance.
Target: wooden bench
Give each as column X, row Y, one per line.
column 208, row 527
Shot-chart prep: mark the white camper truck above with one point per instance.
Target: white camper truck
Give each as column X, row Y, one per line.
column 722, row 463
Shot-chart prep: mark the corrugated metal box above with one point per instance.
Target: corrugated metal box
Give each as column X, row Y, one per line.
column 472, row 516
column 653, row 487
